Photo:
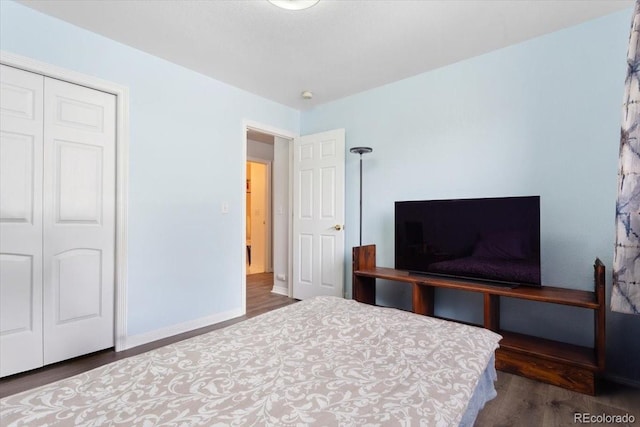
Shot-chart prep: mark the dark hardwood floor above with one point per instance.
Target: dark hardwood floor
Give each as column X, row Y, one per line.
column 520, row 401
column 527, row 403
column 260, row 299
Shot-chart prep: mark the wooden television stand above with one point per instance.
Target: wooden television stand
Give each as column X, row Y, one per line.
column 566, row 365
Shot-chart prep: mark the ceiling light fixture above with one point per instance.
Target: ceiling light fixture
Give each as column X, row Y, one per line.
column 293, row 4
column 307, row 94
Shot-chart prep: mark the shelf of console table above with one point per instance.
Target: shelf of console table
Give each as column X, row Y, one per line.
column 562, row 364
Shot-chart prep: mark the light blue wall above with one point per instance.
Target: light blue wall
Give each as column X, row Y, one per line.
column 185, row 160
column 538, row 118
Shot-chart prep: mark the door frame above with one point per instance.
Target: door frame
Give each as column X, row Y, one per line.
column 122, row 171
column 247, row 125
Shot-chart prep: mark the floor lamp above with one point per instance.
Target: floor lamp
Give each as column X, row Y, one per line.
column 361, row 151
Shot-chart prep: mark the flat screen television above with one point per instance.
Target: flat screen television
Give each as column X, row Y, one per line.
column 489, row 239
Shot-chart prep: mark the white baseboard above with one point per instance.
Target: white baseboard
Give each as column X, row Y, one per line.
column 158, row 334
column 280, row 290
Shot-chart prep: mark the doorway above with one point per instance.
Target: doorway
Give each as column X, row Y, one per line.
column 268, row 146
column 258, row 219
column 286, row 180
column 259, row 184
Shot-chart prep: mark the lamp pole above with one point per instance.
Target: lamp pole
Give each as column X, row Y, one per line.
column 361, row 151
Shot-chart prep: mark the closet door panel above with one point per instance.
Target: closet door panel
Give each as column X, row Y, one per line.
column 78, row 184
column 79, row 220
column 21, row 154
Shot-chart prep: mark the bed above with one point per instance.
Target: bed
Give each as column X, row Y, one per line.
column 322, row 361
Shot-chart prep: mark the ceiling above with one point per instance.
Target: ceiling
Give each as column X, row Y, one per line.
column 334, row 49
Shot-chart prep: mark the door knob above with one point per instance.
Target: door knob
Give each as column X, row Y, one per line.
column 338, row 227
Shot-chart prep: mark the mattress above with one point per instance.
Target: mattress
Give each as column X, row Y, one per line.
column 322, row 361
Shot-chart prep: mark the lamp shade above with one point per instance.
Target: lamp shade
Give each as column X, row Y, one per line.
column 361, row 150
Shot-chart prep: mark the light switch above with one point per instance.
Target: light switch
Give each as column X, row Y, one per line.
column 225, row 208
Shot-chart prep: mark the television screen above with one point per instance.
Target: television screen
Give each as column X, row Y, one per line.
column 492, row 239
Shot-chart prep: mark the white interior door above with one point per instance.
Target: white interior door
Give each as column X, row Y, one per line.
column 20, row 220
column 318, row 214
column 79, row 220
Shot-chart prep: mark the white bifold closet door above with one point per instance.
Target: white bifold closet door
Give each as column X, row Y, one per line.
column 21, row 140
column 57, row 205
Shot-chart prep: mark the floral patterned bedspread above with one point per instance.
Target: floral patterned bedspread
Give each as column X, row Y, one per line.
column 323, row 361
